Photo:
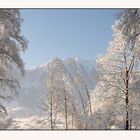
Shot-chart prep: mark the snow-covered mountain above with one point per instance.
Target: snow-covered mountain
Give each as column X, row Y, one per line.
column 33, row 84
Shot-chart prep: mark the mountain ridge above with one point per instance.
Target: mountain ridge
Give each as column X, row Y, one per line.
column 33, row 85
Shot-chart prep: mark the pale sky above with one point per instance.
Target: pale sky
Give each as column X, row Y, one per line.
column 66, row 33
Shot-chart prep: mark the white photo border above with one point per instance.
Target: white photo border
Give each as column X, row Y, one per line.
column 68, row 135
column 69, row 3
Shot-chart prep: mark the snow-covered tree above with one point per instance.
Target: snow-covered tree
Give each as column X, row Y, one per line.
column 85, row 100
column 51, row 99
column 129, row 24
column 67, row 100
column 118, row 69
column 57, row 100
column 11, row 43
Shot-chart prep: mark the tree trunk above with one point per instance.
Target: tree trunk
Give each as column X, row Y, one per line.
column 51, row 113
column 72, row 120
column 82, row 102
column 127, row 101
column 89, row 99
column 66, row 111
column 130, row 124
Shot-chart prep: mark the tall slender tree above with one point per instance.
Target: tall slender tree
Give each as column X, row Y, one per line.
column 118, row 68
